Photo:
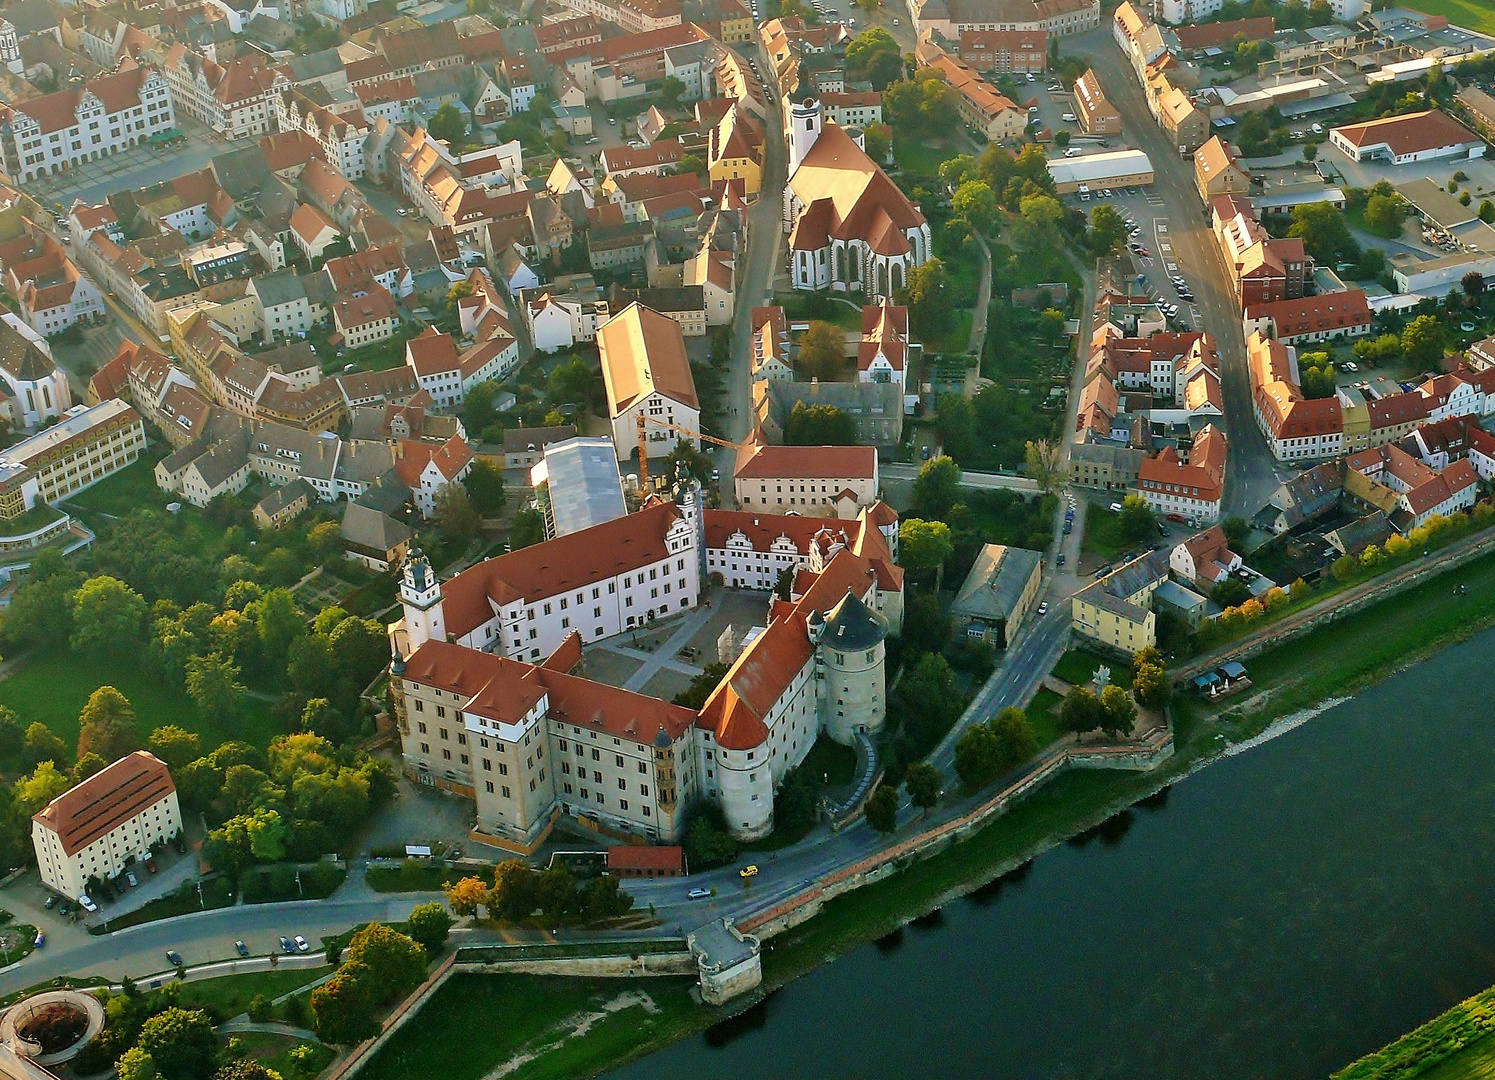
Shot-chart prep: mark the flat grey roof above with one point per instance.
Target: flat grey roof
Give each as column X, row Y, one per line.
column 585, row 488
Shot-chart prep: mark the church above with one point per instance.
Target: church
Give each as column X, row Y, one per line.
column 851, row 229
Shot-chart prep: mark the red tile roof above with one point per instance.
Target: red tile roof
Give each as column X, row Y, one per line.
column 1408, row 134
column 758, row 461
column 106, row 800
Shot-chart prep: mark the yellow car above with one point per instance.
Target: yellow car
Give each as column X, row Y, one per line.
column 747, row 872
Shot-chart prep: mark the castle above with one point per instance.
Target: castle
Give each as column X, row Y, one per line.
column 491, row 701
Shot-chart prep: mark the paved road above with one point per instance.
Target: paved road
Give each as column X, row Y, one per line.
column 1251, row 473
column 204, row 937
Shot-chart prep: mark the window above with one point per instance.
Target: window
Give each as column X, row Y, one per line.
column 505, row 791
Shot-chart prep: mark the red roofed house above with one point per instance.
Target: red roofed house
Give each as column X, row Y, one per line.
column 1297, row 428
column 53, row 293
column 365, row 319
column 834, row 481
column 1204, row 560
column 487, row 706
column 1311, row 318
column 642, row 861
column 312, row 231
column 883, row 354
column 91, row 829
column 1189, row 490
column 426, row 468
column 446, row 374
column 1420, row 490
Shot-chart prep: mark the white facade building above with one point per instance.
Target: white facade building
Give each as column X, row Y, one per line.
column 113, row 818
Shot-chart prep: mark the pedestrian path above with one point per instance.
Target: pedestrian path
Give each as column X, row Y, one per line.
column 666, row 652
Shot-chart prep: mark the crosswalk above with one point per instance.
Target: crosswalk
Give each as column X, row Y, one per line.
column 1153, row 197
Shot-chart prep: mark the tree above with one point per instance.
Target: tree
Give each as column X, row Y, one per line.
column 873, row 56
column 955, row 421
column 1150, row 685
column 1045, row 463
column 45, row 783
column 699, row 689
column 1473, row 284
column 278, row 622
column 394, row 961
column 1081, row 711
column 1061, row 138
column 1422, row 340
column 979, row 756
column 136, row 1064
column 39, row 744
column 87, row 765
column 181, row 1042
column 937, row 488
column 428, row 925
column 922, row 780
column 1384, row 215
column 449, row 125
column 1037, row 224
column 819, row 425
column 1323, row 230
column 527, row 528
column 1014, row 734
column 342, row 1007
column 924, row 546
column 213, row 685
column 671, row 89
column 1487, row 211
column 514, row 895
column 691, row 163
column 106, row 726
column 464, row 897
column 1137, row 522
column 248, row 1069
column 1118, row 711
column 455, row 515
column 1107, row 230
column 477, row 406
column 882, row 809
column 879, row 141
column 107, row 616
column 976, row 203
column 926, row 295
column 485, row 487
column 822, row 351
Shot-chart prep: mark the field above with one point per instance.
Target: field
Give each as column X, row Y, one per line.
column 232, row 994
column 1474, row 14
column 1103, row 533
column 54, row 689
column 622, row 1019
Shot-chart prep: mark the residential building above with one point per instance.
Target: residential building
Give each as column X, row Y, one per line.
column 365, row 320
column 283, row 504
column 1097, row 115
column 1263, row 269
column 1296, row 428
column 885, row 351
column 1186, row 125
column 980, row 106
column 95, row 829
column 1218, row 171
column 853, row 109
column 54, row 132
column 735, row 150
column 1418, row 491
column 996, row 596
column 952, row 18
column 1190, row 489
column 771, row 344
column 1117, row 611
column 373, row 538
column 53, row 294
column 285, row 310
column 647, row 374
column 1204, row 560
column 875, row 408
column 827, row 481
column 1327, row 316
column 447, row 374
column 86, row 445
column 560, row 315
column 1013, row 52
column 427, row 467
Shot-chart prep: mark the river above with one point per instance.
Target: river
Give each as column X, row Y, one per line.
column 1275, row 915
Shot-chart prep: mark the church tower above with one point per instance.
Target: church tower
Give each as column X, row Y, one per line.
column 804, row 129
column 420, row 595
column 10, row 47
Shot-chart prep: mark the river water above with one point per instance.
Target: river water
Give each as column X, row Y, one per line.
column 1274, row 915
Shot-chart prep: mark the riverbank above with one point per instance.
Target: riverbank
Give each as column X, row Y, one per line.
column 1082, row 806
column 1456, row 1045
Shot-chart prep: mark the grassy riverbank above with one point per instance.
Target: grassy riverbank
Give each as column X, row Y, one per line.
column 1459, row 1045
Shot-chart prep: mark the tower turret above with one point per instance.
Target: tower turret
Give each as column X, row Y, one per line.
column 420, row 596
column 804, row 128
column 850, row 648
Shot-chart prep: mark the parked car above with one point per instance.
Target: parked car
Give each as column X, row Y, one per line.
column 1068, row 118
column 150, row 864
column 698, row 894
column 174, row 958
column 1060, row 560
column 51, row 903
column 132, row 879
column 241, row 948
column 1043, row 608
column 41, row 939
column 285, row 945
column 86, row 903
column 302, row 945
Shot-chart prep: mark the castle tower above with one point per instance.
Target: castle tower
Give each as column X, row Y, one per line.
column 420, row 595
column 804, row 129
column 849, row 661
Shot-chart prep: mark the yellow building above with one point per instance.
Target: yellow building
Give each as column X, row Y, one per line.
column 736, row 150
column 1117, row 609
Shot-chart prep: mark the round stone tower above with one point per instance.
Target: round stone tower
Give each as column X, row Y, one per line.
column 849, row 647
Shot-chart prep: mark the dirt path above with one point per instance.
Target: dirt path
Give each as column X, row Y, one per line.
column 573, row 1027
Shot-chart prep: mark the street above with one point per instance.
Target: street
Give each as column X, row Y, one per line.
column 1251, row 472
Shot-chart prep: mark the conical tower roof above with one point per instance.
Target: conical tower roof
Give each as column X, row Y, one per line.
column 852, row 625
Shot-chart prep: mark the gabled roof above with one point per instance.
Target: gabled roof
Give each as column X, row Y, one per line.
column 642, row 352
column 849, row 196
column 1410, row 133
column 107, row 799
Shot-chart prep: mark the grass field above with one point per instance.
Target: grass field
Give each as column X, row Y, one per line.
column 54, row 689
column 537, row 1014
column 1475, row 1062
column 232, row 994
column 129, row 489
column 1103, row 533
column 921, row 158
column 1474, row 14
column 1043, row 715
column 215, row 894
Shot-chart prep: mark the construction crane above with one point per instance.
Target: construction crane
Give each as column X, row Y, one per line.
column 643, row 445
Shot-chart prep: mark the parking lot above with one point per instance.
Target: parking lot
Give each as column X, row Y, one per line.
column 1152, row 248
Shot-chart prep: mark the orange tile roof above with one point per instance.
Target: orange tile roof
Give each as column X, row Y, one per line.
column 758, row 461
column 106, row 800
column 642, row 352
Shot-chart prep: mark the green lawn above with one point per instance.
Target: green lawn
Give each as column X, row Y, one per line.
column 1103, row 533
column 1078, row 666
column 129, row 489
column 537, row 1013
column 184, row 901
column 1043, row 715
column 232, row 994
column 1457, row 1045
column 413, row 875
column 274, row 1052
column 1474, row 14
column 53, row 690
column 921, row 158
column 1475, row 1062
